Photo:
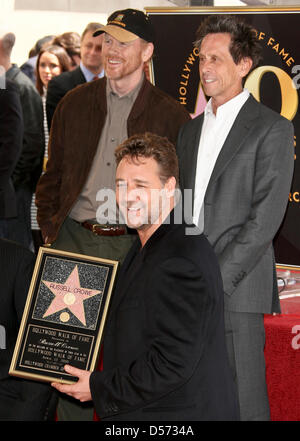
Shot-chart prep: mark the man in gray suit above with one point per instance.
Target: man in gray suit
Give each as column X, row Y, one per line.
column 238, row 159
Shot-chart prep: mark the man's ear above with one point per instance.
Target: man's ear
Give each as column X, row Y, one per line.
column 148, row 52
column 245, row 66
column 170, row 186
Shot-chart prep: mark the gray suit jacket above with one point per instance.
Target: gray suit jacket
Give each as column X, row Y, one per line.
column 245, row 201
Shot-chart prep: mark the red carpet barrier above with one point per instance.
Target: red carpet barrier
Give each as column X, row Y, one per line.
column 282, row 354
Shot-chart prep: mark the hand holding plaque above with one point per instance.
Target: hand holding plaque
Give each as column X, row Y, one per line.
column 80, row 390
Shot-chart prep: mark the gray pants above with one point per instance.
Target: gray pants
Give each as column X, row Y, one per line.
column 245, row 339
column 76, row 239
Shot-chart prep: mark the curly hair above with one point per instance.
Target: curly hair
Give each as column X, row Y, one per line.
column 149, row 145
column 244, row 42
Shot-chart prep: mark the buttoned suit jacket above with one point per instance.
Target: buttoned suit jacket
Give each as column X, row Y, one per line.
column 29, row 165
column 164, row 352
column 245, row 201
column 59, row 86
column 11, row 138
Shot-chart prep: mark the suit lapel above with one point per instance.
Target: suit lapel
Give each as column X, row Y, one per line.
column 236, row 137
column 79, row 76
column 125, row 277
column 191, row 154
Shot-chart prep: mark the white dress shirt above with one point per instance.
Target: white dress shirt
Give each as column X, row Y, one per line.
column 89, row 76
column 214, row 132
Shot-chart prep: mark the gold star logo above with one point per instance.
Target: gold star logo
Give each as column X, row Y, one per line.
column 69, row 295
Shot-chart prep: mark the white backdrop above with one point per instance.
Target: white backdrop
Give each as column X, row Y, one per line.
column 30, row 25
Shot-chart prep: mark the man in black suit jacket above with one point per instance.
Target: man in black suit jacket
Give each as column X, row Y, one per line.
column 20, row 400
column 11, row 136
column 28, row 168
column 90, row 67
column 164, row 346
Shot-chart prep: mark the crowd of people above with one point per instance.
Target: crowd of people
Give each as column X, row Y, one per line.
column 49, row 58
column 184, row 338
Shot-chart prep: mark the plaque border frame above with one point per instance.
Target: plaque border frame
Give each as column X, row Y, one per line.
column 31, row 298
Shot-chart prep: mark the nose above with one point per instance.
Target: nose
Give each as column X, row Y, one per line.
column 113, row 47
column 93, row 50
column 125, row 194
column 204, row 65
column 132, row 193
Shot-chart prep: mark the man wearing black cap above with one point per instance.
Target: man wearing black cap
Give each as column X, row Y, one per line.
column 89, row 123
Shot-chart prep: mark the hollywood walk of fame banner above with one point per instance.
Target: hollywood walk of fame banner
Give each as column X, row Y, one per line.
column 64, row 315
column 276, row 83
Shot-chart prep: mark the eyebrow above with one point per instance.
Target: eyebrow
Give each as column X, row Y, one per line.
column 138, row 181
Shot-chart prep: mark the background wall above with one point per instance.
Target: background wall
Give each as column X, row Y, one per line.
column 276, row 83
column 33, row 19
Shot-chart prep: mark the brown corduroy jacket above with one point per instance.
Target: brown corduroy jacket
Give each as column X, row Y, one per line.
column 75, row 132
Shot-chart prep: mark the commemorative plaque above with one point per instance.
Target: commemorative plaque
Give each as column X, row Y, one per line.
column 64, row 315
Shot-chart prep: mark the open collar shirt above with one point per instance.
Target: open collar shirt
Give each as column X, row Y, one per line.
column 90, row 204
column 215, row 130
column 88, row 75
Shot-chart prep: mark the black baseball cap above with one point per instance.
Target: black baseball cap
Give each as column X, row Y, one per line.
column 128, row 25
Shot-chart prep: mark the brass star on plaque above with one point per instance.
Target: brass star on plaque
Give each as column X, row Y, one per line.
column 69, row 295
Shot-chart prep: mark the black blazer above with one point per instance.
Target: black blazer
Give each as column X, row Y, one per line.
column 164, row 347
column 11, row 139
column 59, row 86
column 20, row 400
column 29, row 166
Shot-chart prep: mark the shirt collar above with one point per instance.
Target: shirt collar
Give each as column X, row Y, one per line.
column 131, row 95
column 232, row 105
column 89, row 76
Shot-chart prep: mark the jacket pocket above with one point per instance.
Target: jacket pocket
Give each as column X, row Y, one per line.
column 132, row 302
column 169, row 408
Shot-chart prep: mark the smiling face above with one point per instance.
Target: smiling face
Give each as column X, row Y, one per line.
column 49, row 67
column 221, row 78
column 91, row 52
column 124, row 62
column 143, row 199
